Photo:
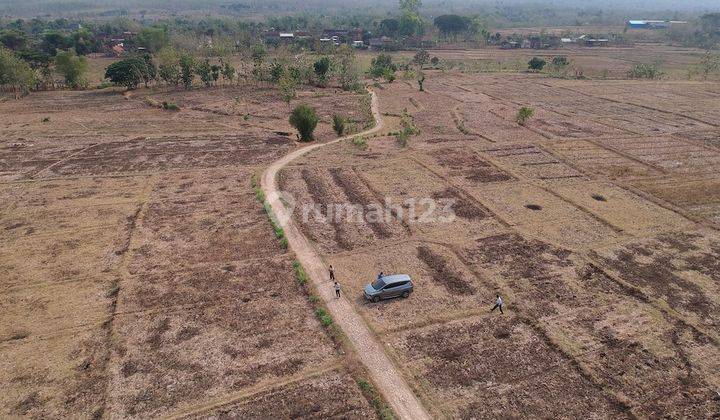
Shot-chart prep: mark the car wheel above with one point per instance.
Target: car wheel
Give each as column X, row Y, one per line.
column 376, row 299
column 405, row 294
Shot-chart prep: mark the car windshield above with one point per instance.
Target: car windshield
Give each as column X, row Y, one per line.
column 378, row 284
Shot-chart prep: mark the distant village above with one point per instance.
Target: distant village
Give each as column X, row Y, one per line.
column 360, row 38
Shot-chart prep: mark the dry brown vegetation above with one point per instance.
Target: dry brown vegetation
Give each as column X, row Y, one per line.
column 597, row 221
column 139, row 274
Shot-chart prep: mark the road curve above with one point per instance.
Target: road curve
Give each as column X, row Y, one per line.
column 369, row 350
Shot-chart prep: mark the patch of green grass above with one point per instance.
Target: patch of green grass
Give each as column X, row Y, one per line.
column 260, row 195
column 300, row 274
column 360, row 142
column 381, row 408
column 325, row 318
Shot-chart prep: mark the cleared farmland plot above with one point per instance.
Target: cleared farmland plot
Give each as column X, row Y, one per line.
column 140, row 276
column 596, row 222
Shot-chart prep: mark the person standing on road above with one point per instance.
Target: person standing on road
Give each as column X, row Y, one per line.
column 498, row 304
column 332, row 273
column 337, row 289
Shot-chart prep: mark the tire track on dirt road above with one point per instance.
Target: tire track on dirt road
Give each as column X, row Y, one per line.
column 370, row 352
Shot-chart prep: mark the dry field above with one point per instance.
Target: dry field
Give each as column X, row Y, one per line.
column 139, row 276
column 597, row 221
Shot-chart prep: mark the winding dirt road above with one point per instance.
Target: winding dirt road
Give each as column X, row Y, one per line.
column 369, row 350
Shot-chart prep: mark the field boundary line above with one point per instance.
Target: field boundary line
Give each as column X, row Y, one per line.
column 370, row 351
column 239, row 396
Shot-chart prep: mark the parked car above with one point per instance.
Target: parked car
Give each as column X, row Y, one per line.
column 389, row 287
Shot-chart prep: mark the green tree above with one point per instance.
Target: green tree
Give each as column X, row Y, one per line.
column 204, row 71
column 187, row 70
column 451, row 25
column 12, row 39
column 153, row 38
column 287, row 85
column 524, row 114
column 71, row 67
column 258, row 54
column 381, row 64
column 228, row 71
column 15, row 73
column 169, row 66
column 389, row 27
column 347, row 71
column 129, row 72
column 54, row 41
column 411, row 22
column 83, row 41
column 304, row 119
column 321, row 67
column 536, row 64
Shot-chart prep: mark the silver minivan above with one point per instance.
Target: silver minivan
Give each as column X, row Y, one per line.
column 389, row 287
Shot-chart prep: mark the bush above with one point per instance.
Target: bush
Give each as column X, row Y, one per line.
column 339, row 124
column 524, row 114
column 644, row 71
column 536, row 64
column 304, row 119
column 360, row 143
column 170, row 106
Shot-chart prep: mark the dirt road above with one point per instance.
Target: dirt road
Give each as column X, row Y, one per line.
column 369, row 350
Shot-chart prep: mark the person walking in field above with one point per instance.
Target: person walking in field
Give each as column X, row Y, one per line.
column 337, row 289
column 332, row 273
column 498, row 304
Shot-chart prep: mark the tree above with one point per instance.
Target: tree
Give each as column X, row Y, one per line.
column 381, row 64
column 536, row 64
column 321, row 68
column 215, row 72
column 15, row 73
column 524, row 114
column 228, row 71
column 709, row 64
column 204, row 71
column 348, row 74
column 304, row 119
column 287, row 86
column 153, row 38
column 187, row 70
column 129, row 72
column 389, row 27
column 258, row 53
column 83, row 41
column 72, row 67
column 411, row 22
column 421, row 57
column 451, row 24
column 169, row 66
column 54, row 41
column 12, row 39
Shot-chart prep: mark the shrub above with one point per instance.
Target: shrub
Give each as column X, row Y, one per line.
column 644, row 71
column 339, row 124
column 360, row 143
column 72, row 67
column 524, row 114
column 170, row 106
column 321, row 68
column 304, row 119
column 536, row 64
